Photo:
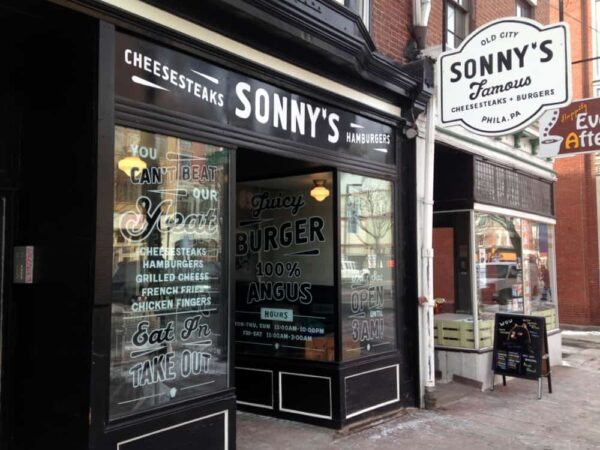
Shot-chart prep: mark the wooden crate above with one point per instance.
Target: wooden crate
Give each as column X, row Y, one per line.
column 486, row 333
column 449, row 333
column 550, row 316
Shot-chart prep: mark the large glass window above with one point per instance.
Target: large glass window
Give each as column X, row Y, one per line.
column 499, row 261
column 538, row 267
column 367, row 265
column 285, row 305
column 515, row 266
column 457, row 22
column 169, row 289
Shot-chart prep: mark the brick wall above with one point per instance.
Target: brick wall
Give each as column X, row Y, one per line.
column 482, row 11
column 577, row 241
column 390, row 26
column 577, row 225
column 436, row 24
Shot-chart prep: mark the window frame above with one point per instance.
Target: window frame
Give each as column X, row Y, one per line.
column 224, row 288
column 524, row 6
column 462, row 6
column 342, row 222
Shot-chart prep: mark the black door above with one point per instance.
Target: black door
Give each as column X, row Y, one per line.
column 6, row 323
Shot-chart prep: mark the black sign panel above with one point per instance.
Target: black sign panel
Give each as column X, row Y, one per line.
column 158, row 76
column 520, row 342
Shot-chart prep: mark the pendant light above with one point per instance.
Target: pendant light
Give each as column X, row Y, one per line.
column 129, row 163
column 319, row 192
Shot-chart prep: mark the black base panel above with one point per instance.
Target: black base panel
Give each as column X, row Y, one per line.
column 325, row 394
column 209, row 425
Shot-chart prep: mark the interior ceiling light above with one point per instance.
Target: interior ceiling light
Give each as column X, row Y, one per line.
column 130, row 162
column 319, row 192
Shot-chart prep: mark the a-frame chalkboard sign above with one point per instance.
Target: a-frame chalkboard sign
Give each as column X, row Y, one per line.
column 521, row 349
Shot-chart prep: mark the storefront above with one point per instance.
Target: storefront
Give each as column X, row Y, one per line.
column 234, row 229
column 494, row 248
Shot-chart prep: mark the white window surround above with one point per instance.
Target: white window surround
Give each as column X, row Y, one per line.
column 524, row 9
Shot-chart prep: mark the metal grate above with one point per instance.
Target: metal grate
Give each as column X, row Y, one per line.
column 500, row 186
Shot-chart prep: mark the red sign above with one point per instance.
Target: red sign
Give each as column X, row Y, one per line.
column 571, row 130
column 28, row 264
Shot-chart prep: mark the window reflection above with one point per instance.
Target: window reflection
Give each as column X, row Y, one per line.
column 515, row 263
column 284, row 268
column 499, row 263
column 169, row 305
column 366, row 265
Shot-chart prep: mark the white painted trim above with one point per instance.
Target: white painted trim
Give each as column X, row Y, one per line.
column 379, row 405
column 474, row 290
column 255, row 405
column 259, row 405
column 180, row 25
column 303, row 413
column 480, row 207
column 225, row 429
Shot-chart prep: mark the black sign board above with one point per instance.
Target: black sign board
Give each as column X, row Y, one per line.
column 520, row 346
column 161, row 77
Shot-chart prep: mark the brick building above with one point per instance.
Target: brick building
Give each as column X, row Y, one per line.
column 491, row 254
column 576, row 189
column 229, row 206
column 205, row 206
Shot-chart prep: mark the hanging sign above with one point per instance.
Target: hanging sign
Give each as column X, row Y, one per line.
column 571, row 130
column 504, row 75
column 179, row 83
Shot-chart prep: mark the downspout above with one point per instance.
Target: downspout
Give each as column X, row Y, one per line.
column 426, row 299
column 421, row 10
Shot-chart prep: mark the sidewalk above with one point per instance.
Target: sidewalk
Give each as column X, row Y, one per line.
column 509, row 417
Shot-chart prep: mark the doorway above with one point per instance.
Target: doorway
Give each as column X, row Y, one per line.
column 3, row 283
column 315, row 290
column 452, row 261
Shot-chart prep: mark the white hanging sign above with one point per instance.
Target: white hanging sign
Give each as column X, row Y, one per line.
column 504, row 75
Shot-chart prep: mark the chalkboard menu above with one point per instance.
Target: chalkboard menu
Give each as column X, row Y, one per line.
column 520, row 344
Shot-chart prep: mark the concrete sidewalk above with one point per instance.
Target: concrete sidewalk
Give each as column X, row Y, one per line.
column 509, row 417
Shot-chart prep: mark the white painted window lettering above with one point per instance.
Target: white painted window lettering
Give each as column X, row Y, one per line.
column 366, row 266
column 167, row 315
column 284, row 268
column 285, row 112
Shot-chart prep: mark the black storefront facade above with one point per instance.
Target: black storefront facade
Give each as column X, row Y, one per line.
column 188, row 230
